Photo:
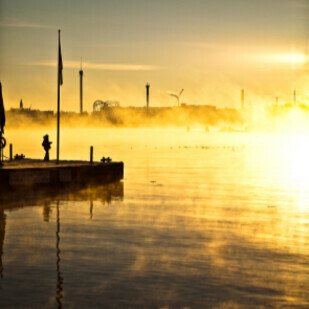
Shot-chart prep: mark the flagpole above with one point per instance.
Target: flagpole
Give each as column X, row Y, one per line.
column 58, row 98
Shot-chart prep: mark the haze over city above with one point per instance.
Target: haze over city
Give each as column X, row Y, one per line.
column 212, row 49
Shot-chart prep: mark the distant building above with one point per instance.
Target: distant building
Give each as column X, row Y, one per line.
column 99, row 105
column 31, row 112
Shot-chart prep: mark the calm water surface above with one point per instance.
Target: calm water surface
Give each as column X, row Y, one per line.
column 200, row 220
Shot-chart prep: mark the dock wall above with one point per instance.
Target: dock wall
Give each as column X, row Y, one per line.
column 61, row 175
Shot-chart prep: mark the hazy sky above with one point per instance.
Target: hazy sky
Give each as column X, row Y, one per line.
column 212, row 49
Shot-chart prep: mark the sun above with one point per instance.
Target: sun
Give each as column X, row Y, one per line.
column 292, row 58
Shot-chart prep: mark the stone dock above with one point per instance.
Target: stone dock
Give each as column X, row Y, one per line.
column 30, row 172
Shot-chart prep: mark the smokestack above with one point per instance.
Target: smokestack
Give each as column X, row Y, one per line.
column 242, row 98
column 147, row 96
column 81, row 87
column 294, row 96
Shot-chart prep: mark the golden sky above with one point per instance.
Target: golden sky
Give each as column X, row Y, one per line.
column 212, row 49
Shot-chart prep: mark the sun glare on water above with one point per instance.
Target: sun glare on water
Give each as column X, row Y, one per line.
column 291, row 157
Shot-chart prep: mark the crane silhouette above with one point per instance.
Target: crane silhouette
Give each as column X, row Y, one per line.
column 177, row 96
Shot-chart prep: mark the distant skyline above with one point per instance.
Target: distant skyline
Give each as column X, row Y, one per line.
column 212, row 49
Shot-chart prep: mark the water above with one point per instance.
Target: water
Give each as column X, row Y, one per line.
column 200, row 220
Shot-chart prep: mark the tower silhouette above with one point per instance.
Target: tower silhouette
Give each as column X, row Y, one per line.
column 242, row 98
column 147, row 95
column 81, row 73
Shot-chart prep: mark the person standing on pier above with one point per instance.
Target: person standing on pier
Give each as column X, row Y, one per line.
column 46, row 145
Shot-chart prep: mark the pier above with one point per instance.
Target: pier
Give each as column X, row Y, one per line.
column 29, row 173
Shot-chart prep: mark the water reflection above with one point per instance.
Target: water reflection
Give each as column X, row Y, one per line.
column 46, row 196
column 59, row 294
column 199, row 227
column 47, row 210
column 91, row 210
column 50, row 201
column 2, row 235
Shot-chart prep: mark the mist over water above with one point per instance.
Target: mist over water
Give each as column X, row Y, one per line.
column 201, row 220
column 213, row 210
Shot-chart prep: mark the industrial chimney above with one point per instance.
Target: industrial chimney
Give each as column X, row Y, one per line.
column 242, row 98
column 147, row 96
column 81, row 87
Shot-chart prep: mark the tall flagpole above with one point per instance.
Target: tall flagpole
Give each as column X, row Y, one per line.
column 59, row 82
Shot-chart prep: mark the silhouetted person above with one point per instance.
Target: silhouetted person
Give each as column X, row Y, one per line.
column 46, row 145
